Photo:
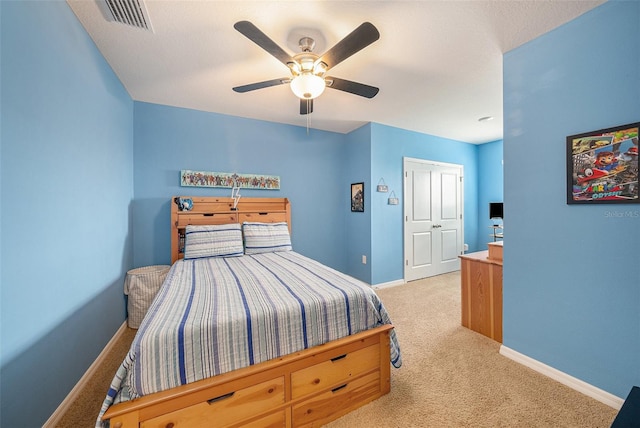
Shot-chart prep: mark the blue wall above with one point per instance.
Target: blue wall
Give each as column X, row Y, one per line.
column 316, row 172
column 490, row 187
column 169, row 139
column 388, row 148
column 571, row 272
column 358, row 233
column 67, row 185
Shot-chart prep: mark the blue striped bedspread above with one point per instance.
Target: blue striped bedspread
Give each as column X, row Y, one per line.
column 215, row 315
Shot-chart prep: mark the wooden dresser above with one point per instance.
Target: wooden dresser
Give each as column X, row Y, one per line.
column 481, row 282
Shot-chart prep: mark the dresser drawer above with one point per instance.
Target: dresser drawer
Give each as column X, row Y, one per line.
column 225, row 410
column 340, row 369
column 262, row 217
column 275, row 420
column 334, row 403
column 204, row 218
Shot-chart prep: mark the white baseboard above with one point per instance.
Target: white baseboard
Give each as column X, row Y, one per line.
column 73, row 395
column 389, row 284
column 565, row 379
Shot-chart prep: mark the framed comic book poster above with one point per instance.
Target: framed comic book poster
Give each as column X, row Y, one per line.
column 602, row 166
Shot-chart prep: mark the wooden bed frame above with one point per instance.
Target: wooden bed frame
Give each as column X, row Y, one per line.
column 305, row 389
column 213, row 210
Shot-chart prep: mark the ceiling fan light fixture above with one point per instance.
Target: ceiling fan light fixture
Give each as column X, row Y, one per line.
column 307, row 86
column 308, row 69
column 294, row 67
column 319, row 68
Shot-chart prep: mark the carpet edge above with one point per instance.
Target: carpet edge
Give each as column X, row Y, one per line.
column 57, row 415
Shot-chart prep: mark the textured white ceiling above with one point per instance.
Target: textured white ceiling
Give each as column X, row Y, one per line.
column 438, row 64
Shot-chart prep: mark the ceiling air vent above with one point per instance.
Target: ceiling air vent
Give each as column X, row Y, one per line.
column 128, row 12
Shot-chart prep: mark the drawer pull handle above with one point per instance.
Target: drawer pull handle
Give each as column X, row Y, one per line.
column 208, row 214
column 169, row 425
column 263, row 213
column 339, row 388
column 339, row 357
column 222, row 397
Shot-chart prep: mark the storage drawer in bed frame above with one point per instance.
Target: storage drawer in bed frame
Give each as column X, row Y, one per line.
column 225, row 409
column 296, row 390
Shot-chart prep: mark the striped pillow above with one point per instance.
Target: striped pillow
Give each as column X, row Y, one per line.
column 223, row 240
column 266, row 237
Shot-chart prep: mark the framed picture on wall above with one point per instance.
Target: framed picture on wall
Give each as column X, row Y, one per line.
column 357, row 197
column 229, row 180
column 602, row 166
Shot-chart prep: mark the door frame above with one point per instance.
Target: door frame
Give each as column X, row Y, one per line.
column 404, row 203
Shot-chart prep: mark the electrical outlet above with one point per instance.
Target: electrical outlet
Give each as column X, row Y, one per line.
column 364, row 259
column 466, row 247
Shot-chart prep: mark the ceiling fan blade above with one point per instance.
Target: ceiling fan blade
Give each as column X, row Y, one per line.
column 260, row 85
column 351, row 87
column 259, row 38
column 306, row 106
column 355, row 41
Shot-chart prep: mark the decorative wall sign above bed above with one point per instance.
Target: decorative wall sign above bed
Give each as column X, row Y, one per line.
column 602, row 166
column 229, row 180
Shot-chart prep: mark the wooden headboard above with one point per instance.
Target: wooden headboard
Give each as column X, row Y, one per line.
column 214, row 210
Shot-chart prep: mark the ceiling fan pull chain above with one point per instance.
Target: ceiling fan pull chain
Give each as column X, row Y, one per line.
column 308, row 114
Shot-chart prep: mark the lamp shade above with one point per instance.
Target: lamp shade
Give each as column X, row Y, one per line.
column 307, row 86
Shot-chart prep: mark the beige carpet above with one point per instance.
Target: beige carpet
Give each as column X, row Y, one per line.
column 451, row 376
column 84, row 411
column 454, row 377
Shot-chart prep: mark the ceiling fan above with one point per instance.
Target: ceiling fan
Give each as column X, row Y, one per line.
column 308, row 70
